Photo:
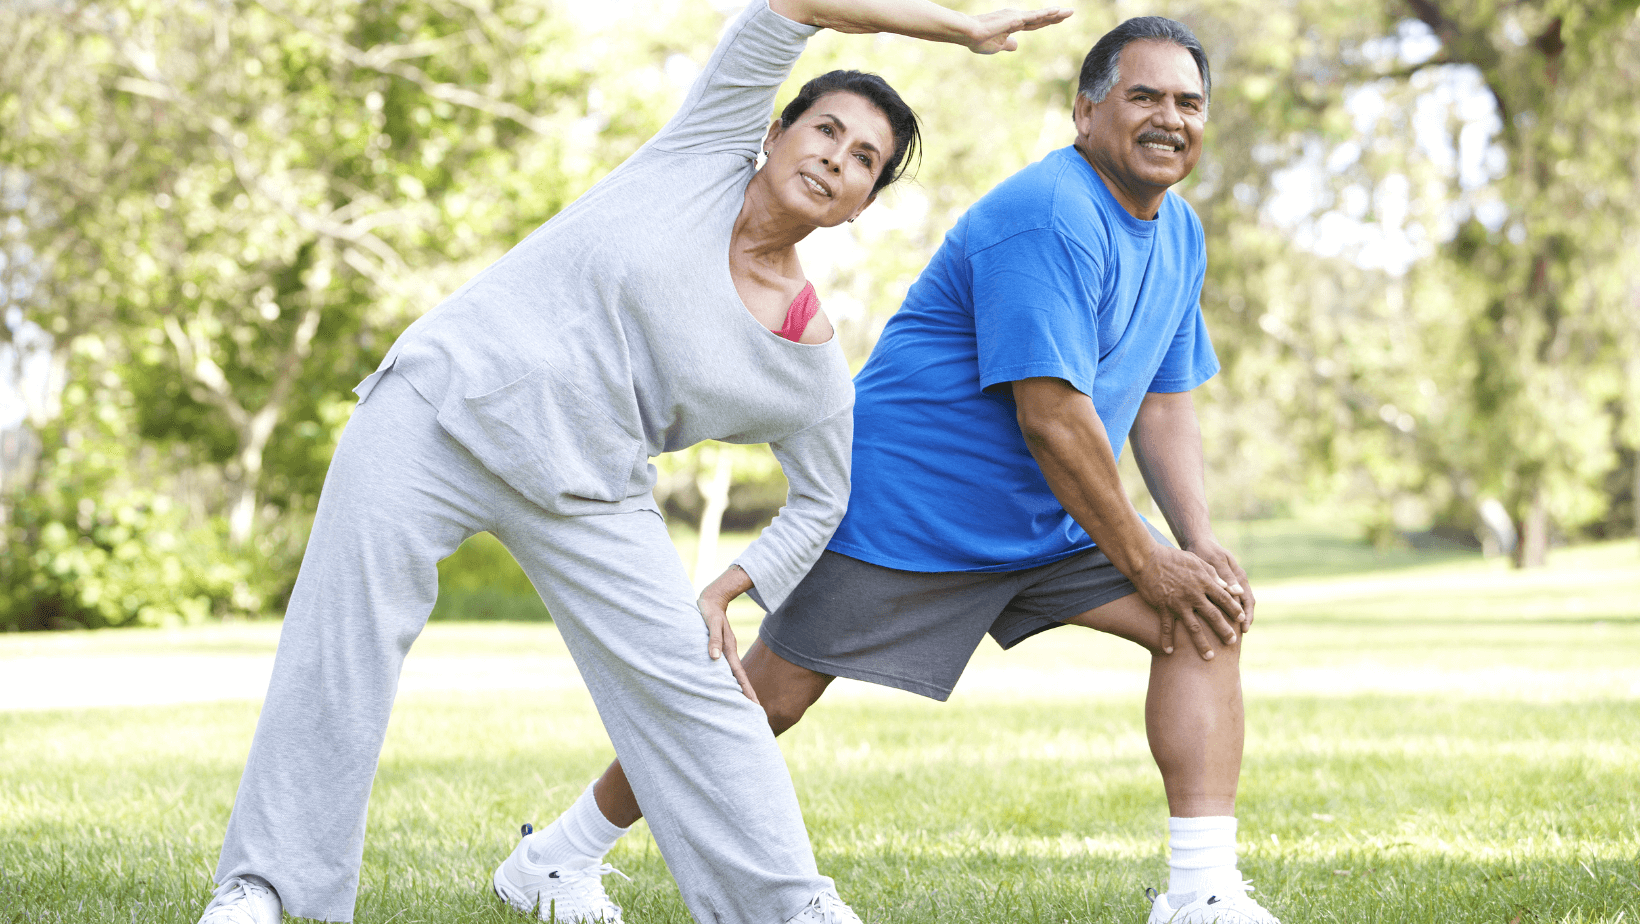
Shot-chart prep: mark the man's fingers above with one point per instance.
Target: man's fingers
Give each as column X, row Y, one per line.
column 1199, row 636
column 1166, row 635
column 1223, row 612
column 1216, row 618
column 1248, row 601
column 1226, row 600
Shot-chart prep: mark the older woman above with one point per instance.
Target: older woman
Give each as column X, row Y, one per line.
column 664, row 307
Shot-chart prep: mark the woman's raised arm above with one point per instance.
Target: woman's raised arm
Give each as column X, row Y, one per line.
column 986, row 34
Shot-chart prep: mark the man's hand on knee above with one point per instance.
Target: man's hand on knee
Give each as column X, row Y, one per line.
column 1229, row 571
column 1184, row 589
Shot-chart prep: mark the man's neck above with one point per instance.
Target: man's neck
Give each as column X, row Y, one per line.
column 1141, row 204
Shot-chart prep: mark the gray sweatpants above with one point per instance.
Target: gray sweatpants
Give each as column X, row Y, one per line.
column 402, row 494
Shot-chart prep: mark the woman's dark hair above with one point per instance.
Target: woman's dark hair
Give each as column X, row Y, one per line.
column 1099, row 68
column 875, row 90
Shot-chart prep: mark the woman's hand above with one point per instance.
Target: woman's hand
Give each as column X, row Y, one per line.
column 720, row 639
column 994, row 31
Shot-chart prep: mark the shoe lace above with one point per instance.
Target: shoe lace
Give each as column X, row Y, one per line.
column 596, row 873
column 827, row 907
column 231, row 901
column 1241, row 890
column 586, row 884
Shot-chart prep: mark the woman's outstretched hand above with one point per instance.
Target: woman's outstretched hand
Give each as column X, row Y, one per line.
column 720, row 637
column 995, row 30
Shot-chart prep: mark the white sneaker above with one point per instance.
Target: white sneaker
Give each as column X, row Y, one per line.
column 244, row 900
column 825, row 908
column 556, row 893
column 1232, row 906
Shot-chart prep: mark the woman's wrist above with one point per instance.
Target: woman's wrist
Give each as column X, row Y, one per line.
column 733, row 582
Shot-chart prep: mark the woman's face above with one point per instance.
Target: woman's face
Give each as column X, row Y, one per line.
column 824, row 165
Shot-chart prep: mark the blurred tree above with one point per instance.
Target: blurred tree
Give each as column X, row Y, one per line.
column 1457, row 179
column 228, row 210
column 221, row 213
column 1551, row 330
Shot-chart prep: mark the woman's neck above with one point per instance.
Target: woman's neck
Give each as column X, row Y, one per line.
column 765, row 237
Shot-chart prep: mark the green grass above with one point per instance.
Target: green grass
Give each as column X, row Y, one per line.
column 1446, row 742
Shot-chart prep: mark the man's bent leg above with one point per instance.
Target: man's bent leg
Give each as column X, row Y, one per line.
column 1194, row 721
column 786, row 691
column 1193, row 711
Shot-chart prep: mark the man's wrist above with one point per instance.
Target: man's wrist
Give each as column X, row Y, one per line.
column 1198, row 538
column 1135, row 563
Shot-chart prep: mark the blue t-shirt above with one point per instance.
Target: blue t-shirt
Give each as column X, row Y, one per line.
column 1047, row 275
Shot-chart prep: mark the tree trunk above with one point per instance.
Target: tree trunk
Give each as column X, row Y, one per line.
column 1533, row 551
column 714, row 487
column 253, row 439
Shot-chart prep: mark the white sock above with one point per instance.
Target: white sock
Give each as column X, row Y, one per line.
column 1201, row 856
column 579, row 838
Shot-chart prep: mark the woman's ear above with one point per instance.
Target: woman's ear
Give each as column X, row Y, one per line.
column 773, row 135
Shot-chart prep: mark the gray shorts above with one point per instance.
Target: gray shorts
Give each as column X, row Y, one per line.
column 916, row 630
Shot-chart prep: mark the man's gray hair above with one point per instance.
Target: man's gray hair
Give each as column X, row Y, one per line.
column 1100, row 69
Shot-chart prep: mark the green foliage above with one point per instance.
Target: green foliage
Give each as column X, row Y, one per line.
column 101, row 539
column 136, row 562
column 224, row 213
column 481, row 581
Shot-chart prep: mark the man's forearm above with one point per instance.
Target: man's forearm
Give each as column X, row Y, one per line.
column 1068, row 439
column 1064, row 433
column 1167, row 446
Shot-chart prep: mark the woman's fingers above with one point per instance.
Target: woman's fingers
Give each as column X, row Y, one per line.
column 717, row 625
column 1036, row 19
column 998, row 27
column 721, row 641
column 740, row 672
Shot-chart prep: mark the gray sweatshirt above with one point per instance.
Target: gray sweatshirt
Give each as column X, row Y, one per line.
column 614, row 332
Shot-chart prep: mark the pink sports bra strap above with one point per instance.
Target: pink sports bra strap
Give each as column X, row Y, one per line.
column 801, row 312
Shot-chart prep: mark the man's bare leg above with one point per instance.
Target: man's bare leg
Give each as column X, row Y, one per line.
column 1195, row 723
column 786, row 692
column 1193, row 711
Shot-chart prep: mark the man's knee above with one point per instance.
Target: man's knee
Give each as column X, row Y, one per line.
column 784, row 710
column 785, row 689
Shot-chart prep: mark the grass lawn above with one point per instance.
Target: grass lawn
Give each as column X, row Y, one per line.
column 1428, row 742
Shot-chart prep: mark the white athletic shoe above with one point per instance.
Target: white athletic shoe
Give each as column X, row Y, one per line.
column 1233, row 906
column 244, row 900
column 556, row 893
column 825, row 908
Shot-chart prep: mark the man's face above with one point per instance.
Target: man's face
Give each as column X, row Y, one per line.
column 1146, row 134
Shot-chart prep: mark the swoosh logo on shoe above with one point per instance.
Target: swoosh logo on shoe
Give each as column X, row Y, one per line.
column 1211, row 899
column 554, row 875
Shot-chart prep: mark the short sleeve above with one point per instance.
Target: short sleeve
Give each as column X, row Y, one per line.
column 1034, row 310
column 730, row 104
column 1190, row 359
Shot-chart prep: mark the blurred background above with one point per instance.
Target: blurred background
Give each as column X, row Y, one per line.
column 215, row 217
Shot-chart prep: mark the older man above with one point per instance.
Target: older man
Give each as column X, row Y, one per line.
column 1059, row 320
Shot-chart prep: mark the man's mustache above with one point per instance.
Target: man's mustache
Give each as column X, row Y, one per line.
column 1162, row 138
